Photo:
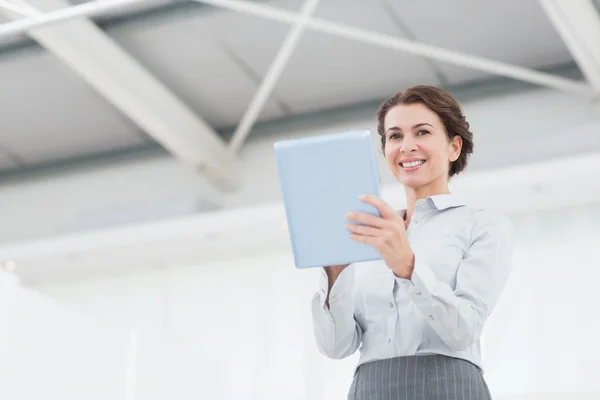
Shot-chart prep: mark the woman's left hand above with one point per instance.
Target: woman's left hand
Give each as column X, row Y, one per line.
column 386, row 234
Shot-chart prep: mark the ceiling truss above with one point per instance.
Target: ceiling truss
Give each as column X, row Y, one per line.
column 131, row 88
column 577, row 22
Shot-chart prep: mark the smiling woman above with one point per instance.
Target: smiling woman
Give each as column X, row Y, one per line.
column 418, row 313
column 424, row 125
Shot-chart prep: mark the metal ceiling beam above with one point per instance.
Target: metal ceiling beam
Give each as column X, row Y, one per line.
column 273, row 74
column 365, row 36
column 578, row 24
column 84, row 10
column 9, row 5
column 116, row 75
column 409, row 46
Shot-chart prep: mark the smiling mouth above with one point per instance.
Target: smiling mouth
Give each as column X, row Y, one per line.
column 412, row 164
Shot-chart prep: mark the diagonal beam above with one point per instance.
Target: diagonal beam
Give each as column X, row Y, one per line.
column 578, row 24
column 274, row 72
column 90, row 9
column 409, row 46
column 533, row 76
column 117, row 76
column 19, row 9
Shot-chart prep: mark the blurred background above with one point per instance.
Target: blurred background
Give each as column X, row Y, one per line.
column 143, row 248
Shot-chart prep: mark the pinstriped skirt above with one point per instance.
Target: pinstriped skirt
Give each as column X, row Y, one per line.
column 422, row 377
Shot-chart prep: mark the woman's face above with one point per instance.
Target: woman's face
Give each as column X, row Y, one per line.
column 417, row 148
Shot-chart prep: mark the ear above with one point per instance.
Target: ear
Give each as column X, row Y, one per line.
column 455, row 148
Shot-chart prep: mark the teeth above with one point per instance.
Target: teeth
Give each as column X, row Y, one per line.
column 412, row 164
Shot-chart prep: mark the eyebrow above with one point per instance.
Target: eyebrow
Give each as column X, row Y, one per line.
column 395, row 128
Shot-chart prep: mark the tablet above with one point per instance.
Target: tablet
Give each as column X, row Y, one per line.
column 321, row 178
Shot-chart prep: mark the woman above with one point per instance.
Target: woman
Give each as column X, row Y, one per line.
column 417, row 315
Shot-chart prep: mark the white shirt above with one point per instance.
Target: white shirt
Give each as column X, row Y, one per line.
column 462, row 262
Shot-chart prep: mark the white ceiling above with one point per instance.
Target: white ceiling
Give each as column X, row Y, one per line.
column 5, row 160
column 49, row 114
column 188, row 56
column 214, row 61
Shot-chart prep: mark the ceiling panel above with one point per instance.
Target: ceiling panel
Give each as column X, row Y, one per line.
column 512, row 31
column 243, row 34
column 185, row 53
column 325, row 71
column 355, row 73
column 288, row 5
column 13, row 40
column 371, row 15
column 255, row 40
column 6, row 162
column 48, row 113
column 320, row 77
column 139, row 6
column 328, row 71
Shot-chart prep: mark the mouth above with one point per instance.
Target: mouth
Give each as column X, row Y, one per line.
column 411, row 165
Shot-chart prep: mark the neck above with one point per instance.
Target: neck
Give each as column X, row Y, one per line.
column 414, row 194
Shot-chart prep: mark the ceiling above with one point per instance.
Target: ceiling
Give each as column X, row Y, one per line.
column 214, row 61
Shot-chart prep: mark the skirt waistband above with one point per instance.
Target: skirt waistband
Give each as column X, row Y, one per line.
column 420, row 377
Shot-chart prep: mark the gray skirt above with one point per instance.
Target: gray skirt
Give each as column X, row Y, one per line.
column 422, row 377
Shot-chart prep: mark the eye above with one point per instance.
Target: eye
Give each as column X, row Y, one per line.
column 423, row 132
column 394, row 136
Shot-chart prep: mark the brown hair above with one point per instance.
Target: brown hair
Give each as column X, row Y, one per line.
column 447, row 109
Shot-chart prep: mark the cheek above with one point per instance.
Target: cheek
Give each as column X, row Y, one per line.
column 440, row 160
column 390, row 152
column 437, row 153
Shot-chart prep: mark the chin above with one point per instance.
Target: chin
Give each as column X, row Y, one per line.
column 414, row 184
column 425, row 179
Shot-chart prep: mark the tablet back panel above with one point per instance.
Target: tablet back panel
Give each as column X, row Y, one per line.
column 321, row 178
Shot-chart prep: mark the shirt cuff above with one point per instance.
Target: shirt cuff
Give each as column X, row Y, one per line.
column 423, row 283
column 343, row 286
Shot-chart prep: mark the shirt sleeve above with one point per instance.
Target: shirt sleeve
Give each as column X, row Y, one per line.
column 337, row 333
column 458, row 315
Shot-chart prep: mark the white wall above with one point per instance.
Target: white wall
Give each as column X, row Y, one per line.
column 70, row 202
column 510, row 129
column 50, row 352
column 243, row 324
column 217, row 326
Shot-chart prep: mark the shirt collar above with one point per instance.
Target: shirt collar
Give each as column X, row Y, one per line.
column 444, row 201
column 438, row 202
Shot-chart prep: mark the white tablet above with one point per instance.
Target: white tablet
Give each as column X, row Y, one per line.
column 321, row 178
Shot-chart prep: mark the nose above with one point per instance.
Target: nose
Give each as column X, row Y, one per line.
column 408, row 144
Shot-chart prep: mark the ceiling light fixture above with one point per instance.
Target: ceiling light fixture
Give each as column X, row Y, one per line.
column 10, row 266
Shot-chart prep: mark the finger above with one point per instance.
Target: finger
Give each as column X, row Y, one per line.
column 384, row 208
column 367, row 219
column 364, row 230
column 374, row 241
